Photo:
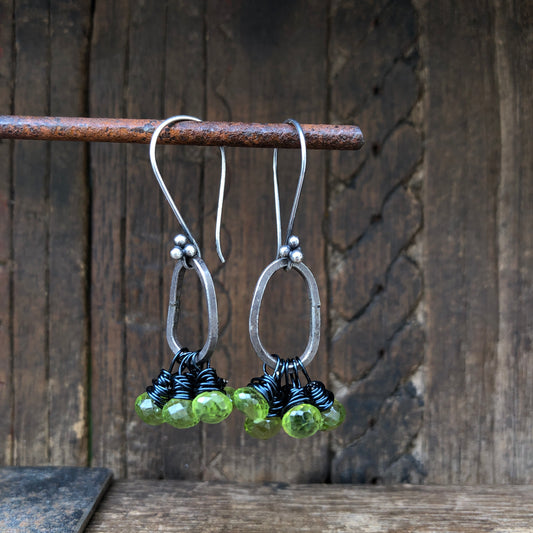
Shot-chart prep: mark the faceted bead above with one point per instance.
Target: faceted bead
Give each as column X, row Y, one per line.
column 302, row 421
column 262, row 429
column 147, row 410
column 179, row 413
column 212, row 407
column 252, row 403
column 230, row 391
column 333, row 417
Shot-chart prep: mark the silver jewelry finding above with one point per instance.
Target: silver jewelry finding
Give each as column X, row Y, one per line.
column 289, row 256
column 187, row 254
column 153, row 144
column 296, row 200
column 314, row 319
column 208, row 287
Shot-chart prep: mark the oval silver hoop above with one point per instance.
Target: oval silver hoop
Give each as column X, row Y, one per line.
column 314, row 320
column 208, row 287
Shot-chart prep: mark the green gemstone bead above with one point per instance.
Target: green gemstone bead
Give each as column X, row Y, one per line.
column 262, row 429
column 333, row 417
column 230, row 391
column 147, row 410
column 212, row 407
column 302, row 421
column 252, row 403
column 179, row 413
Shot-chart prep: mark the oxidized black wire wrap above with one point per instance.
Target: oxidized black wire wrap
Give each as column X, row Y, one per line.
column 161, row 388
column 190, row 380
column 295, row 396
column 281, row 398
column 270, row 387
column 207, row 380
column 318, row 395
column 183, row 386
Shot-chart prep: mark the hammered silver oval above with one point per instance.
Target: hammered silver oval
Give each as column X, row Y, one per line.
column 314, row 320
column 208, row 287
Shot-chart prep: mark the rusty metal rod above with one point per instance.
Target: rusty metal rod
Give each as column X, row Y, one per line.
column 254, row 135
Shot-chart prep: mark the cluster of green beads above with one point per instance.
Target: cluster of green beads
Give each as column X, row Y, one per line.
column 209, row 407
column 300, row 421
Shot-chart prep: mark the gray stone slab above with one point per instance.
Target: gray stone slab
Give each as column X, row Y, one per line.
column 50, row 499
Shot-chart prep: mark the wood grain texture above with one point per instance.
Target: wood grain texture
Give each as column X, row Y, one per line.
column 30, row 242
column 425, row 280
column 159, row 506
column 68, row 234
column 462, row 166
column 108, row 62
column 263, row 63
column 6, row 259
column 374, row 217
column 513, row 424
column 181, row 450
column 142, row 242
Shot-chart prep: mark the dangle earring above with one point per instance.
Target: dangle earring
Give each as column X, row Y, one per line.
column 193, row 393
column 278, row 399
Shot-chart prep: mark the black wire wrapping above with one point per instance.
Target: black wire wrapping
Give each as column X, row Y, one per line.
column 281, row 398
column 270, row 387
column 161, row 388
column 320, row 397
column 190, row 380
column 208, row 380
column 183, row 386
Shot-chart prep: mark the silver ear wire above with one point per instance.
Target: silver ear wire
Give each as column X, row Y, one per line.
column 153, row 144
column 296, row 200
column 288, row 256
column 187, row 255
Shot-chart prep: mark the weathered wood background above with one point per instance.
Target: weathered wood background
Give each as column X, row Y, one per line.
column 422, row 243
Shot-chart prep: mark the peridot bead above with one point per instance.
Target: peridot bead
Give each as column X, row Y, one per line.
column 252, row 403
column 147, row 410
column 212, row 407
column 333, row 417
column 178, row 413
column 230, row 391
column 262, row 429
column 302, row 421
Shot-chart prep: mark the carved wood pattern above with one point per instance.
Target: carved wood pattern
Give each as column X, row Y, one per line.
column 375, row 216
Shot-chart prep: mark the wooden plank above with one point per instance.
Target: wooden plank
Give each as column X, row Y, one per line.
column 68, row 196
column 30, row 241
column 375, row 215
column 159, row 506
column 181, row 450
column 143, row 254
column 50, row 498
column 108, row 173
column 513, row 425
column 462, row 165
column 6, row 259
column 288, row 62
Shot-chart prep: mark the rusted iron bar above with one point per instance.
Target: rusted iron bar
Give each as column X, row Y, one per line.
column 318, row 136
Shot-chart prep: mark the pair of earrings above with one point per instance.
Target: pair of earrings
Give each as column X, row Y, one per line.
column 190, row 391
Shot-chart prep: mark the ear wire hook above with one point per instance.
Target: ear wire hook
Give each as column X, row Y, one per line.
column 153, row 143
column 298, row 187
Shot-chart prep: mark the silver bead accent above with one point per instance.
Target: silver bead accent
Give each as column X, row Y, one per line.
column 284, row 251
column 296, row 256
column 181, row 240
column 293, row 242
column 189, row 250
column 176, row 253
